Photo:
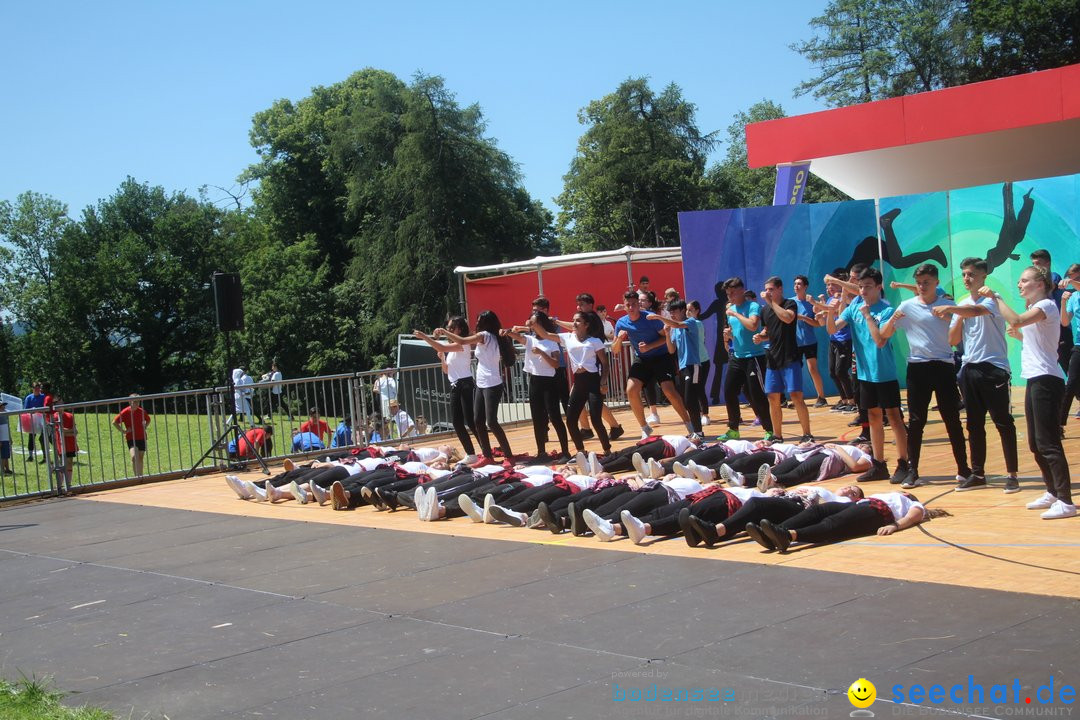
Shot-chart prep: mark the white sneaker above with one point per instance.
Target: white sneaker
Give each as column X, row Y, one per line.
column 683, row 471
column 419, row 498
column 704, row 420
column 432, row 501
column 639, row 464
column 582, row 463
column 765, row 479
column 646, row 432
column 1047, row 500
column 469, row 459
column 653, row 419
column 273, row 494
column 237, row 486
column 489, row 502
column 594, row 465
column 601, row 528
column 469, row 507
column 656, row 470
column 635, row 529
column 702, row 474
column 258, row 494
column 1059, row 510
column 322, row 495
column 299, row 495
column 503, row 515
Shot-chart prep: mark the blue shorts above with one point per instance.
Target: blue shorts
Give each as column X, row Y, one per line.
column 785, row 379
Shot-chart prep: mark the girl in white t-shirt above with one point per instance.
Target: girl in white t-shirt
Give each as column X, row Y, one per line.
column 820, row 462
column 491, row 352
column 1040, row 333
column 542, row 365
column 587, row 360
column 881, row 514
column 457, row 364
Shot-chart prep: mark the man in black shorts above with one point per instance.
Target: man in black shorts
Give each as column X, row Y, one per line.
column 651, row 361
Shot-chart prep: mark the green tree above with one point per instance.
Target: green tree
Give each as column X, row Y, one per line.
column 732, row 183
column 395, row 184
column 867, row 50
column 640, row 161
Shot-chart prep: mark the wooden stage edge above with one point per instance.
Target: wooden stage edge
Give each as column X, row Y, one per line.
column 990, row 542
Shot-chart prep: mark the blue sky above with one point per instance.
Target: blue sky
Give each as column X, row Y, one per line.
column 165, row 92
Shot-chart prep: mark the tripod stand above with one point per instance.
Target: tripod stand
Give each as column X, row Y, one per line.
column 232, row 427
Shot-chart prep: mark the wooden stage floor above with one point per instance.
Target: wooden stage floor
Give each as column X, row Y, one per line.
column 991, row 541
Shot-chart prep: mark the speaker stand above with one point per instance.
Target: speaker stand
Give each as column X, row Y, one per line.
column 232, row 428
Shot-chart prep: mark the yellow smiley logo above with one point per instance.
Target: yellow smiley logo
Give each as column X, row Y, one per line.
column 862, row 693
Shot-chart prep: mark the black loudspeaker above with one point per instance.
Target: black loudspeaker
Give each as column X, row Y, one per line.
column 229, row 301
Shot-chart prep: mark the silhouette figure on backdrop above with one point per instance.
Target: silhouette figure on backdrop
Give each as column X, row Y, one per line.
column 1013, row 228
column 867, row 251
column 717, row 307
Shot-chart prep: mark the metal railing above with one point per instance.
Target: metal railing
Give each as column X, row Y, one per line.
column 186, row 425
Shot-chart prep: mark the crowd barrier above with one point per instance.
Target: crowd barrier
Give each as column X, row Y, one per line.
column 186, row 428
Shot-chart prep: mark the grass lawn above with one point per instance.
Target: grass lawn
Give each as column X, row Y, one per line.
column 35, row 700
column 175, row 441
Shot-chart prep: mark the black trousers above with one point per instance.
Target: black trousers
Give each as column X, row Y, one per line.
column 793, row 472
column 529, row 498
column 986, row 390
column 693, row 379
column 544, row 407
column 754, row 510
column 486, row 413
column 748, row 374
column 702, row 456
column 747, row 462
column 622, row 461
column 664, row 520
column 835, row 522
column 703, row 397
column 637, row 503
column 586, row 500
column 1044, row 434
column 586, row 390
column 938, row 378
column 1072, row 387
column 461, row 412
column 840, row 367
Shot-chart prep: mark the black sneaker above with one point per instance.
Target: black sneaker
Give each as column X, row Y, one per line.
column 861, row 439
column 807, row 438
column 971, row 482
column 1012, row 485
column 902, row 472
column 616, row 432
column 780, row 537
column 586, row 433
column 690, row 533
column 854, row 423
column 879, row 471
column 821, row 402
column 759, row 537
column 705, row 530
column 578, row 528
column 548, row 518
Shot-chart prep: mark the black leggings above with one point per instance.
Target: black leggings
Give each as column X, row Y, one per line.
column 794, row 472
column 529, row 498
column 703, row 396
column 622, row 461
column 747, row 462
column 587, row 390
column 664, row 520
column 840, row 367
column 461, row 412
column 544, row 406
column 756, row 509
column 702, row 456
column 1044, row 434
column 586, row 500
column 637, row 503
column 835, row 522
column 486, row 413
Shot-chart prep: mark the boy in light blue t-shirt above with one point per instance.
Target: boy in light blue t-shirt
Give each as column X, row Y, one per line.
column 876, row 370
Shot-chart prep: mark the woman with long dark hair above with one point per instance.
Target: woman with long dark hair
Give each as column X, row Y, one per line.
column 491, row 352
column 589, row 366
column 542, row 365
column 457, row 364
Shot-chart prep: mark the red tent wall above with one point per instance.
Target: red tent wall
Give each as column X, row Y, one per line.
column 510, row 296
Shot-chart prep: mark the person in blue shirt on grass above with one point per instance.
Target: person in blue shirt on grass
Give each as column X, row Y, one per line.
column 876, row 369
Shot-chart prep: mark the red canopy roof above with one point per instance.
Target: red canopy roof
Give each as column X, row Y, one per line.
column 1014, row 128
